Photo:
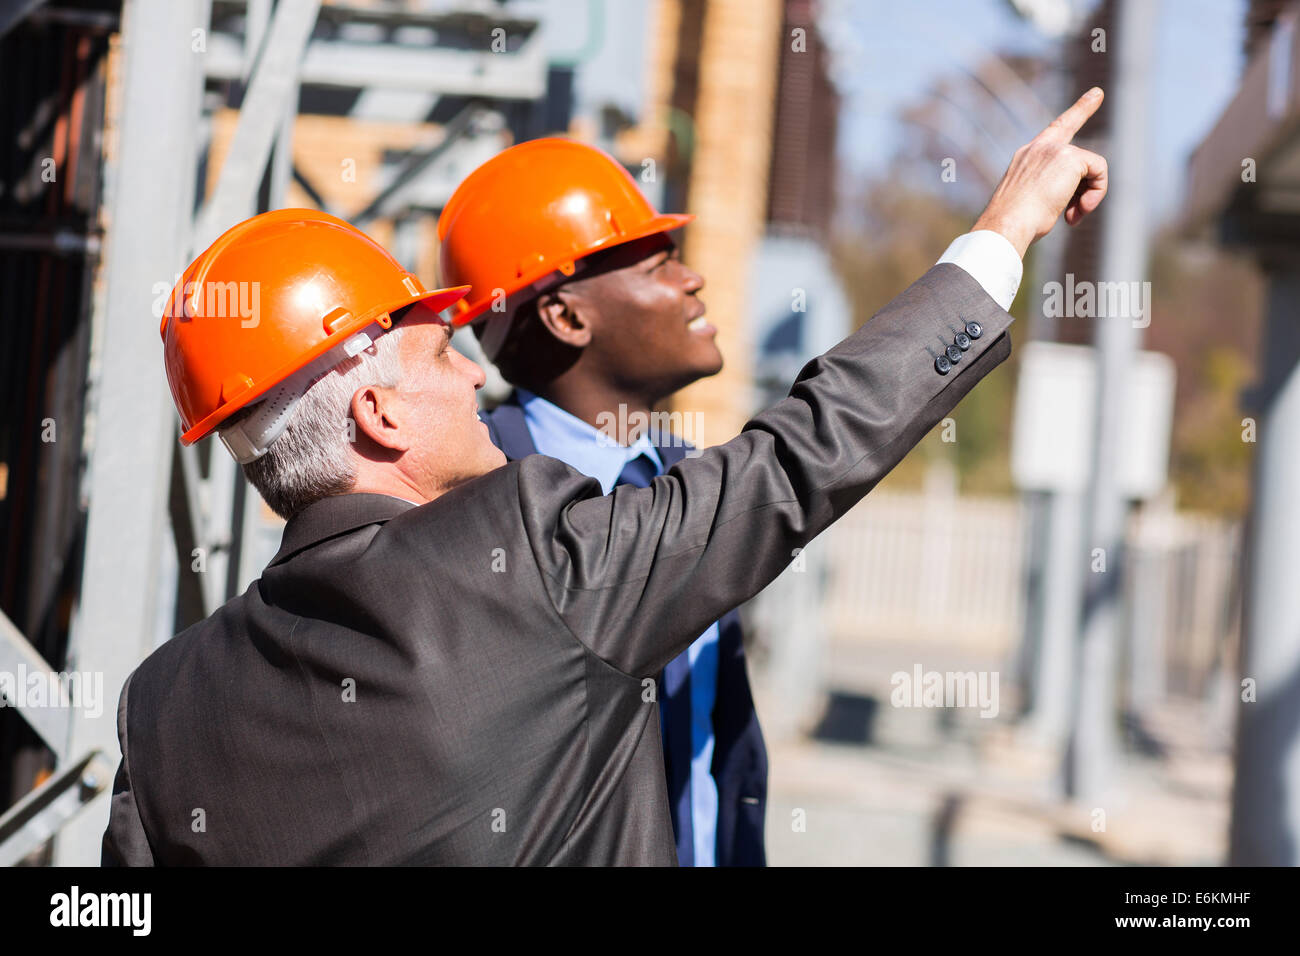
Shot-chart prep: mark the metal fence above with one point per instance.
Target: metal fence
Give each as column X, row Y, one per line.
column 934, row 568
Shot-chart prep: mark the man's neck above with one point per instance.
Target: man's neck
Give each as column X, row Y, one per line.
column 375, row 482
column 620, row 413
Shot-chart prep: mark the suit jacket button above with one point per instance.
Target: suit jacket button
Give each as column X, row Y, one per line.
column 953, row 353
column 974, row 329
column 942, row 365
column 963, row 341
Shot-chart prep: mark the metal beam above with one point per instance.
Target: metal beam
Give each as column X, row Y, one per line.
column 1093, row 753
column 13, row 12
column 312, row 192
column 29, row 824
column 18, row 656
column 1265, row 828
column 130, row 456
column 63, row 242
column 256, row 21
column 416, row 162
column 272, row 90
column 434, row 185
column 243, row 568
column 1062, row 570
column 188, row 531
column 519, row 75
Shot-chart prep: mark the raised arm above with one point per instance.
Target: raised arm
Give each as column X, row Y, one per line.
column 639, row 573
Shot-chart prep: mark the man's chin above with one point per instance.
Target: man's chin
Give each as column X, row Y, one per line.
column 491, row 459
column 707, row 367
column 709, row 360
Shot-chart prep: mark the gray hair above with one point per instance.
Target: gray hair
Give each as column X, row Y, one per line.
column 312, row 459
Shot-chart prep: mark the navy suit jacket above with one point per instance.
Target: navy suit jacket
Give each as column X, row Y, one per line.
column 739, row 756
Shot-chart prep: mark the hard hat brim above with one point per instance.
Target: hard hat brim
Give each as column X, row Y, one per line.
column 664, row 222
column 436, row 299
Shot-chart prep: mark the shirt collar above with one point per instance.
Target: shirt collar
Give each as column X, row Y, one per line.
column 562, row 435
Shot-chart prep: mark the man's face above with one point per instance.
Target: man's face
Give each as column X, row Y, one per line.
column 647, row 325
column 450, row 445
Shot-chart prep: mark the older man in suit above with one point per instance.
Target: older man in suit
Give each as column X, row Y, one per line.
column 452, row 659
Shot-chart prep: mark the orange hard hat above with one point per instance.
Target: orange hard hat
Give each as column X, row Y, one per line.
column 533, row 210
column 273, row 304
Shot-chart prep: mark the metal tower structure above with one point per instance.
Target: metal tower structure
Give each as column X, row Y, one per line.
column 169, row 530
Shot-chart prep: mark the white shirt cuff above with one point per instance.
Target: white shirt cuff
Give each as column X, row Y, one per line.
column 991, row 260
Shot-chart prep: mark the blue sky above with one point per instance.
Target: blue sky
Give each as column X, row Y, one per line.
column 892, row 51
column 896, row 51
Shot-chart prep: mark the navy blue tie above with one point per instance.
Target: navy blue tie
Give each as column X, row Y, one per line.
column 674, row 707
column 640, row 471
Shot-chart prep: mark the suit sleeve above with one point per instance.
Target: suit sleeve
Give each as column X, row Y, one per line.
column 125, row 843
column 639, row 573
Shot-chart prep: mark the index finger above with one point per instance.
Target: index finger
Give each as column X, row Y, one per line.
column 1063, row 128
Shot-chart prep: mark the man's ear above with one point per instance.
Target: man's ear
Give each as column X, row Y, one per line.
column 379, row 416
column 564, row 315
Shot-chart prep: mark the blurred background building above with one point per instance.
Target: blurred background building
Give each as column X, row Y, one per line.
column 830, row 151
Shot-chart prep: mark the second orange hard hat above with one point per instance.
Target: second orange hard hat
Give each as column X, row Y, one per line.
column 533, row 210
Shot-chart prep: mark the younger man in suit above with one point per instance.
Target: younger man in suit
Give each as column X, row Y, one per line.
column 601, row 351
column 592, row 346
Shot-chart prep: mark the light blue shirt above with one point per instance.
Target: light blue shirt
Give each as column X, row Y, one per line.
column 558, row 434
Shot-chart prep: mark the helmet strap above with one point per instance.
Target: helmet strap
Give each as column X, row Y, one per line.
column 249, row 439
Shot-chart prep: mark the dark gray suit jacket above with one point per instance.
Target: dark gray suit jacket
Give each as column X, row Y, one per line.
column 465, row 682
column 739, row 767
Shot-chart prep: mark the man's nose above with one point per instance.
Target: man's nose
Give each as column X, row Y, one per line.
column 694, row 282
column 476, row 373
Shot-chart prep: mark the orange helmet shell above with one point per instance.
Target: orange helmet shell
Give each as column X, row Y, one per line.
column 270, row 296
column 534, row 209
